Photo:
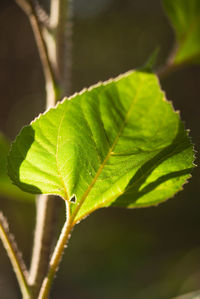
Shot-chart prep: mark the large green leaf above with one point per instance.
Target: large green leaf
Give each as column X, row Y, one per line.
column 185, row 17
column 118, row 143
column 6, row 186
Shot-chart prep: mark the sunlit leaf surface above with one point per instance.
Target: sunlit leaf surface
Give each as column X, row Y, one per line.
column 6, row 186
column 118, row 143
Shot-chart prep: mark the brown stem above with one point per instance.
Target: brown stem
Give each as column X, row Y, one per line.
column 60, row 21
column 29, row 8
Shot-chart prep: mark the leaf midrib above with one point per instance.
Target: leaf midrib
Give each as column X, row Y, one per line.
column 85, row 195
column 58, row 168
column 136, row 182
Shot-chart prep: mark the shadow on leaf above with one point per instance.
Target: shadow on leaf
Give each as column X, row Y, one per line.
column 16, row 157
column 133, row 190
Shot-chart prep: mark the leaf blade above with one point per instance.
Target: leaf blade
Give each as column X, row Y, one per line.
column 94, row 144
column 7, row 189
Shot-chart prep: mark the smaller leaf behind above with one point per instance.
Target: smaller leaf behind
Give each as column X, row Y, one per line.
column 118, row 143
column 185, row 18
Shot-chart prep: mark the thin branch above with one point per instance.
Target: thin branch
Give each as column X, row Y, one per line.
column 25, row 6
column 57, row 254
column 42, row 15
column 15, row 257
column 60, row 19
column 46, row 216
column 46, row 205
column 29, row 8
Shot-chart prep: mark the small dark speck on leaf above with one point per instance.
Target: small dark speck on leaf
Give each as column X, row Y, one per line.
column 73, row 199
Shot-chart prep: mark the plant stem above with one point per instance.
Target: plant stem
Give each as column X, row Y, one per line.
column 60, row 46
column 46, row 216
column 64, row 44
column 50, row 81
column 57, row 254
column 15, row 257
column 46, row 205
column 52, row 53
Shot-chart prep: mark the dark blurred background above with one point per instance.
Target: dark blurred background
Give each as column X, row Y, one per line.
column 114, row 253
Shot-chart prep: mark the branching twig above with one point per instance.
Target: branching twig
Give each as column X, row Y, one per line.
column 15, row 257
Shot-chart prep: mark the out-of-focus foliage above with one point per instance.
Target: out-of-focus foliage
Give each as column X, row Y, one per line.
column 185, row 18
column 193, row 295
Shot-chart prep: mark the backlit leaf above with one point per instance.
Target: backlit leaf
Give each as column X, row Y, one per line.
column 118, row 143
column 6, row 186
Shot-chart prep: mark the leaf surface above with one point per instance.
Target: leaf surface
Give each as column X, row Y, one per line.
column 118, row 143
column 6, row 186
column 185, row 18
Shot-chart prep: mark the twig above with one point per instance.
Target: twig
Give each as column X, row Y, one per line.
column 42, row 15
column 60, row 21
column 46, row 206
column 29, row 8
column 15, row 257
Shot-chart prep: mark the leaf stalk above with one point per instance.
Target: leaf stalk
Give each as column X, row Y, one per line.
column 57, row 254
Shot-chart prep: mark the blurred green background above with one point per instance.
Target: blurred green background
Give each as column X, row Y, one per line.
column 149, row 253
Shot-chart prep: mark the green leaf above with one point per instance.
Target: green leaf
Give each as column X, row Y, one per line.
column 118, row 143
column 6, row 186
column 185, row 18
